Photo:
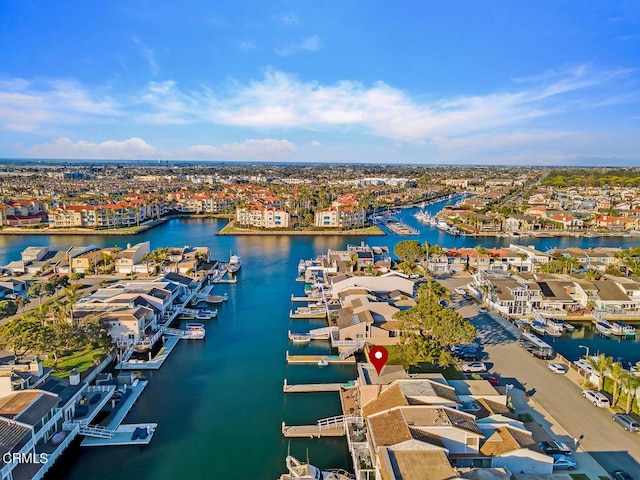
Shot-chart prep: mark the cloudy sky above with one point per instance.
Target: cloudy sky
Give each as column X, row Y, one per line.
column 440, row 81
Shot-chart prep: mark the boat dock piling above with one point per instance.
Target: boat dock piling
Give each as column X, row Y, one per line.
column 311, row 387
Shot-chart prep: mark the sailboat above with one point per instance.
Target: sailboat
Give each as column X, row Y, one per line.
column 305, row 471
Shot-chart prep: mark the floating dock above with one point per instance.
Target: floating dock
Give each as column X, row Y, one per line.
column 308, row 314
column 311, row 387
column 305, row 299
column 311, row 431
column 156, row 362
column 310, row 359
column 114, row 433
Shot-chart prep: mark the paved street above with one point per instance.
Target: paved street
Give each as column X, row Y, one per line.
column 570, row 414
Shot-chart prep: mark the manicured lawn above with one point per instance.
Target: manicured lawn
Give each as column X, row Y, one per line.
column 82, row 361
column 450, row 373
column 579, row 476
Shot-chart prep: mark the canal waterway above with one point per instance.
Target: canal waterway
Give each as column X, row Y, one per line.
column 219, row 403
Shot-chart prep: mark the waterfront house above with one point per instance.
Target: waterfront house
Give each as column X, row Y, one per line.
column 86, row 261
column 28, row 421
column 503, row 292
column 381, row 284
column 130, row 260
column 515, row 450
column 398, row 464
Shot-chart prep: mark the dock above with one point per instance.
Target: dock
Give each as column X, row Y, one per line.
column 307, row 314
column 310, row 359
column 122, row 436
column 311, row 431
column 305, row 299
column 113, row 433
column 311, row 387
column 156, row 362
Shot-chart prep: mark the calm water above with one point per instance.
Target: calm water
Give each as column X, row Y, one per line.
column 219, row 403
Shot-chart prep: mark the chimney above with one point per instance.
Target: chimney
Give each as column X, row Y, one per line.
column 74, row 377
column 35, row 366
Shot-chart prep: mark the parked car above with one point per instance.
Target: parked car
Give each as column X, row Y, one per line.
column 554, row 448
column 466, row 296
column 563, row 461
column 460, row 290
column 628, row 423
column 474, row 367
column 492, row 380
column 557, row 368
column 444, row 303
column 621, row 475
column 482, row 310
column 598, row 399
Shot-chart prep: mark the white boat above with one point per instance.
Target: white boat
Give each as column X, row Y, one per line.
column 442, row 225
column 305, row 471
column 234, row 264
column 423, row 217
column 623, row 329
column 195, row 331
column 553, row 330
column 299, row 338
column 205, row 314
column 604, row 328
column 215, row 299
column 538, row 326
column 323, row 362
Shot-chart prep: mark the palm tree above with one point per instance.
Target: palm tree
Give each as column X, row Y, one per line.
column 601, row 364
column 616, row 374
column 73, row 295
column 630, row 384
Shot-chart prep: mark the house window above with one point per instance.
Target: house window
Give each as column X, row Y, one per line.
column 472, row 442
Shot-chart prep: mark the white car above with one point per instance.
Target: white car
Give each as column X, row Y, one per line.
column 474, row 367
column 598, row 399
column 557, row 368
column 562, row 461
column 460, row 290
column 482, row 310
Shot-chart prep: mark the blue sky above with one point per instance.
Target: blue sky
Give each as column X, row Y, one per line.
column 462, row 82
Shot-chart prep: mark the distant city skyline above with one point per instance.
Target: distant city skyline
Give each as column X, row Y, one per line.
column 440, row 82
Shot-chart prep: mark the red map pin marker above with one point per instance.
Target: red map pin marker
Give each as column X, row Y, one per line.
column 378, row 356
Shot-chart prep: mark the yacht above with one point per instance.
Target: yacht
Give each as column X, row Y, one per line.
column 604, row 328
column 299, row 338
column 234, row 264
column 538, row 326
column 305, row 471
column 205, row 314
column 623, row 329
column 195, row 331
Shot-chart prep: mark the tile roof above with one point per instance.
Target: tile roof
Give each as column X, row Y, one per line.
column 415, row 465
column 504, row 440
column 388, row 398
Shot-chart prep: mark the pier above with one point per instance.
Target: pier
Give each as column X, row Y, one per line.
column 311, row 387
column 114, row 433
column 310, row 431
column 303, row 312
column 154, row 364
column 309, row 359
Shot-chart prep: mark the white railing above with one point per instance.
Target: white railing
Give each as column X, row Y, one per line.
column 100, row 388
column 351, row 350
column 339, row 421
column 97, row 431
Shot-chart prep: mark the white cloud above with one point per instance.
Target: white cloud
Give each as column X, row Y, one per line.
column 247, row 46
column 25, row 105
column 315, row 143
column 309, row 44
column 147, row 54
column 288, row 19
column 257, row 149
column 132, row 149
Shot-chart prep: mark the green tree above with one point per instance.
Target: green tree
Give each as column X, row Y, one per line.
column 22, row 336
column 408, row 250
column 601, row 364
column 428, row 330
column 630, row 384
column 8, row 308
column 616, row 373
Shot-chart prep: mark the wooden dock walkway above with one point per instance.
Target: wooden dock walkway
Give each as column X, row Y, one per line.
column 311, row 431
column 309, row 359
column 311, row 387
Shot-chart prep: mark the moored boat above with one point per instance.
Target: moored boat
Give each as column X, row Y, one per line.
column 539, row 327
column 206, row 314
column 298, row 470
column 234, row 264
column 195, row 331
column 299, row 338
column 624, row 329
column 604, row 328
column 323, row 362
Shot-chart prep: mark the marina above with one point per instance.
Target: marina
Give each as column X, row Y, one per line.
column 243, row 309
